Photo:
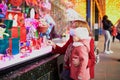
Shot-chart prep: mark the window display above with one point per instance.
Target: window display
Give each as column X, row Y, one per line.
column 23, row 36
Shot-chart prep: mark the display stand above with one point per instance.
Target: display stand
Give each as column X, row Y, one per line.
column 43, row 67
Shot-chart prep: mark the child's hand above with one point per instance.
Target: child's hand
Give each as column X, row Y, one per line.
column 51, row 43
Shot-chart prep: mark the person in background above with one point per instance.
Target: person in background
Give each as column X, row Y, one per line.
column 118, row 29
column 61, row 50
column 107, row 24
column 114, row 33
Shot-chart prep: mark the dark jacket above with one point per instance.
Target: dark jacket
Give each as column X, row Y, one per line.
column 107, row 24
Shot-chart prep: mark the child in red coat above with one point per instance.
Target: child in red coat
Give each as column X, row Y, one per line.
column 80, row 50
column 62, row 50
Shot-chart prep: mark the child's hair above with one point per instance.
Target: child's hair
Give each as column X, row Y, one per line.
column 105, row 17
column 82, row 24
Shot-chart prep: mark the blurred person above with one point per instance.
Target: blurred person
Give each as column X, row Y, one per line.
column 107, row 24
column 118, row 29
column 61, row 50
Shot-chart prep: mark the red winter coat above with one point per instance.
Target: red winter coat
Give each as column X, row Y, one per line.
column 91, row 61
column 81, row 49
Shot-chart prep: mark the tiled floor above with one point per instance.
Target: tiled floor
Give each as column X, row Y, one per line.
column 109, row 67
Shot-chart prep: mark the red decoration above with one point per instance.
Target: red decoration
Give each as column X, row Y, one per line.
column 16, row 2
column 22, row 34
column 42, row 29
column 31, row 2
column 14, row 32
column 20, row 16
column 9, row 50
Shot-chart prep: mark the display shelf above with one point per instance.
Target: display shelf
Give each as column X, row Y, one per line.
column 16, row 59
column 39, row 69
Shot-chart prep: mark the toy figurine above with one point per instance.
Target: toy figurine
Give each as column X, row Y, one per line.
column 2, row 29
column 26, row 48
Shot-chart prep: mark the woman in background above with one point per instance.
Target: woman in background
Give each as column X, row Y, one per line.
column 107, row 24
column 118, row 29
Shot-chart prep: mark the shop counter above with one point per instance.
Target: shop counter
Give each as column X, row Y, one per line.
column 38, row 65
column 16, row 59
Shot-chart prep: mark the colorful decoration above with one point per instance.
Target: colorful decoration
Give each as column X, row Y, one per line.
column 15, row 22
column 2, row 15
column 23, row 31
column 31, row 25
column 24, row 48
column 8, row 23
column 16, row 16
column 32, row 13
column 16, row 2
column 46, row 5
column 4, row 44
column 2, row 31
column 31, row 2
column 3, row 7
column 31, row 22
column 8, row 52
column 14, row 32
column 43, row 26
